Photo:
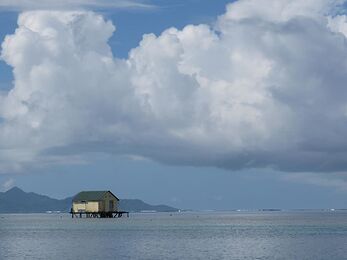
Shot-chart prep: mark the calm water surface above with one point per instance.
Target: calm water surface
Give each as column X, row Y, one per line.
column 264, row 235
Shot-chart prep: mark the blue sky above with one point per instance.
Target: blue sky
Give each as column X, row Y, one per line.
column 189, row 183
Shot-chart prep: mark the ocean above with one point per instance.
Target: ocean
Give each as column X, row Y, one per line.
column 189, row 235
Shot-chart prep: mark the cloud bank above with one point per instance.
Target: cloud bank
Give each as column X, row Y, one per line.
column 265, row 87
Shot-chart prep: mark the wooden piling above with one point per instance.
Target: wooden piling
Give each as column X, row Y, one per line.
column 101, row 214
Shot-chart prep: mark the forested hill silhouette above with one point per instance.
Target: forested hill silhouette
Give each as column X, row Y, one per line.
column 16, row 200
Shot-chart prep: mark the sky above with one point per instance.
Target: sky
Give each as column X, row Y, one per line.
column 197, row 104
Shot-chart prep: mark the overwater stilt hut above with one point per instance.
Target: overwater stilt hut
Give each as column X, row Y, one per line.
column 96, row 204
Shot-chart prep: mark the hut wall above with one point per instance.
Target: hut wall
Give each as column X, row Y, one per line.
column 107, row 198
column 101, row 205
column 79, row 206
column 89, row 206
column 92, row 206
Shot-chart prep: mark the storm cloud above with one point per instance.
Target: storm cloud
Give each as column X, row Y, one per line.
column 263, row 87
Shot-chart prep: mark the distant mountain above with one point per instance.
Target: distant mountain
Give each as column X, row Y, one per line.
column 135, row 205
column 16, row 200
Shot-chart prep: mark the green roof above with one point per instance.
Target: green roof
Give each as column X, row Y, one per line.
column 91, row 195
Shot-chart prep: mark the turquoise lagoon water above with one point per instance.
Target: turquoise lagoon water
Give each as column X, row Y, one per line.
column 227, row 235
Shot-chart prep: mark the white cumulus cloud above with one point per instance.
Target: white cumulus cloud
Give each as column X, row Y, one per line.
column 8, row 184
column 262, row 88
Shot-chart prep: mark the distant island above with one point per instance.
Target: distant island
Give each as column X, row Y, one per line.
column 16, row 200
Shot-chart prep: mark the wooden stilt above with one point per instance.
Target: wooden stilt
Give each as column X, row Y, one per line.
column 101, row 214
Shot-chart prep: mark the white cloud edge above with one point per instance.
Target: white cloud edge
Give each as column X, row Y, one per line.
column 8, row 184
column 27, row 5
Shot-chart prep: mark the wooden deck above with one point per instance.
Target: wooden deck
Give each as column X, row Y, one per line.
column 111, row 214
